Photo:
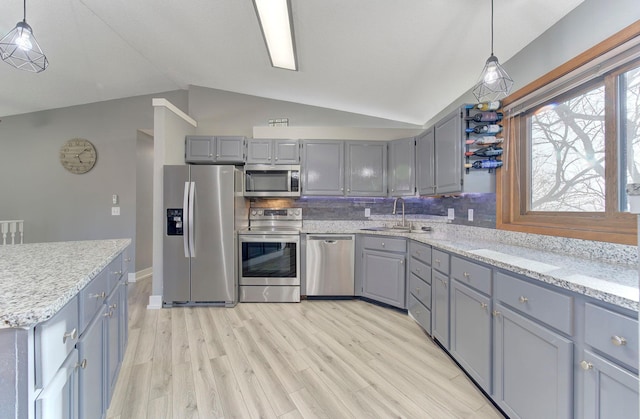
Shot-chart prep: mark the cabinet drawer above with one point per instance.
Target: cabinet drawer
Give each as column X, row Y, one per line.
column 612, row 333
column 388, row 244
column 440, row 261
column 54, row 341
column 420, row 313
column 421, row 270
column 420, row 290
column 92, row 297
column 471, row 274
column 114, row 273
column 545, row 305
column 420, row 251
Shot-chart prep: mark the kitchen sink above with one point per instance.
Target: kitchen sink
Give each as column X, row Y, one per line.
column 398, row 229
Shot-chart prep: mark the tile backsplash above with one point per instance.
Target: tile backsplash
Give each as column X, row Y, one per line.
column 329, row 208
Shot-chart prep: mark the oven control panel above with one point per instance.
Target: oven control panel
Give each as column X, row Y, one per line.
column 292, row 214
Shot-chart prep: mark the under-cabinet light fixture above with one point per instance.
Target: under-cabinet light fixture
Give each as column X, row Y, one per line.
column 494, row 82
column 20, row 49
column 276, row 24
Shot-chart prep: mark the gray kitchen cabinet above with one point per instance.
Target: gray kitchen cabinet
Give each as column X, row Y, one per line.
column 448, row 153
column 425, row 162
column 91, row 350
column 610, row 392
column 366, row 168
column 273, row 151
column 383, row 270
column 59, row 399
column 471, row 332
column 206, row 149
column 402, row 162
column 533, row 367
column 419, row 284
column 323, row 167
column 440, row 296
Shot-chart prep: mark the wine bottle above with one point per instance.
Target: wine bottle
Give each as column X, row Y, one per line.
column 489, row 129
column 485, row 152
column 486, row 106
column 487, row 140
column 485, row 117
column 484, row 164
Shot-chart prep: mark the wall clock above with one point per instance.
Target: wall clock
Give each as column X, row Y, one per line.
column 78, row 155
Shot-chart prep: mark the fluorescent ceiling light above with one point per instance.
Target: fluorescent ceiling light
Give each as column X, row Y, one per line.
column 277, row 29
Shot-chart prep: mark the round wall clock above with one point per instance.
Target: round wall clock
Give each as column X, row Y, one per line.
column 78, row 155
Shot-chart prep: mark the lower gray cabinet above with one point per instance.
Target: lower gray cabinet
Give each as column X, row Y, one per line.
column 610, row 392
column 440, row 307
column 384, row 277
column 471, row 332
column 533, row 368
column 92, row 383
column 59, row 399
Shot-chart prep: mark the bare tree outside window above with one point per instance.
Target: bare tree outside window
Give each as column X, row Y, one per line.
column 568, row 154
column 630, row 128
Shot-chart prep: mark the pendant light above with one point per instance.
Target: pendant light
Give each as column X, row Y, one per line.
column 20, row 49
column 494, row 82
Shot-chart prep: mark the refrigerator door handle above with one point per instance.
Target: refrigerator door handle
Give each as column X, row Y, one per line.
column 185, row 219
column 192, row 198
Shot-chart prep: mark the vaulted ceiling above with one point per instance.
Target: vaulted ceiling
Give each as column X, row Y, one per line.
column 403, row 60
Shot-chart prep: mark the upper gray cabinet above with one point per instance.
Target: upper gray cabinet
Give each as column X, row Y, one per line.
column 273, row 151
column 366, row 168
column 206, row 149
column 448, row 153
column 425, row 162
column 344, row 168
column 323, row 167
column 440, row 160
column 402, row 174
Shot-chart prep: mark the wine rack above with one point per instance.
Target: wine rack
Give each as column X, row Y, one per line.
column 481, row 151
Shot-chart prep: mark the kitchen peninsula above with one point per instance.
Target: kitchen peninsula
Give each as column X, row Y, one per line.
column 63, row 327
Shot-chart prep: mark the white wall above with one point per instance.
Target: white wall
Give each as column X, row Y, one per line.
column 587, row 25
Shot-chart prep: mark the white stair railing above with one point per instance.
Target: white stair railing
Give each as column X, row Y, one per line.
column 9, row 229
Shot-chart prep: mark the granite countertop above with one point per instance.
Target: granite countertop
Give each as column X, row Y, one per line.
column 602, row 271
column 37, row 280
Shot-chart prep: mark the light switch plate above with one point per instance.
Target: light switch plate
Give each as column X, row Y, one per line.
column 470, row 214
column 115, row 210
column 367, row 212
column 451, row 214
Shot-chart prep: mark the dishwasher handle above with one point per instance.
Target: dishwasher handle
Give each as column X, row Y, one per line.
column 330, row 239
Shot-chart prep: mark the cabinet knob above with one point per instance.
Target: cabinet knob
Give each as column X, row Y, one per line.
column 276, row 159
column 113, row 306
column 117, row 273
column 618, row 340
column 99, row 295
column 586, row 365
column 73, row 334
column 82, row 364
column 466, row 275
column 523, row 299
column 495, row 313
column 417, row 290
column 127, row 260
column 210, row 154
column 402, row 262
column 382, row 244
column 483, row 305
column 348, row 190
column 437, row 261
column 217, row 155
column 418, row 270
column 108, row 314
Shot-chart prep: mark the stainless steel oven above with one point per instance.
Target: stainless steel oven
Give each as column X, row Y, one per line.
column 270, row 256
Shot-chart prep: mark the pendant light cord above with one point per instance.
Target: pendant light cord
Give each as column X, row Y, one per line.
column 24, row 3
column 491, row 26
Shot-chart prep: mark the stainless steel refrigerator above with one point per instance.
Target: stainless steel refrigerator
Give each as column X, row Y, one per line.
column 204, row 209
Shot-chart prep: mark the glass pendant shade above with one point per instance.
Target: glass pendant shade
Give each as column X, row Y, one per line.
column 494, row 82
column 20, row 49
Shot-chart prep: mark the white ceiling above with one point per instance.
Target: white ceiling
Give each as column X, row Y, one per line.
column 404, row 60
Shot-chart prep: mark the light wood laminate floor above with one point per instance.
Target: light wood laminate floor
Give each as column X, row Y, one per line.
column 326, row 359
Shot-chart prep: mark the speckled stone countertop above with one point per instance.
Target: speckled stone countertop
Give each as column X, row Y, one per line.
column 604, row 271
column 37, row 280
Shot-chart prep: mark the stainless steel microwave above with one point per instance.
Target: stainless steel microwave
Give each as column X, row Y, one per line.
column 263, row 180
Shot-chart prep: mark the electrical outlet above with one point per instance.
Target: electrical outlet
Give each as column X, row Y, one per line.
column 367, row 212
column 115, row 210
column 470, row 214
column 114, row 199
column 451, row 214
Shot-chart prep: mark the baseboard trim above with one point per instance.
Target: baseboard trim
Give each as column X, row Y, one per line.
column 141, row 274
column 155, row 302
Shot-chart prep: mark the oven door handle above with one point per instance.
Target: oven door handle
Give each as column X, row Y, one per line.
column 269, row 238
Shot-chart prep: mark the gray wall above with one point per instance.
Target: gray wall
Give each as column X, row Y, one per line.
column 587, row 25
column 144, row 201
column 57, row 205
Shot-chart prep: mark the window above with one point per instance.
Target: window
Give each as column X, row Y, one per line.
column 573, row 144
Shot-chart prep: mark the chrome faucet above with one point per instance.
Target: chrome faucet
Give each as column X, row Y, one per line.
column 395, row 203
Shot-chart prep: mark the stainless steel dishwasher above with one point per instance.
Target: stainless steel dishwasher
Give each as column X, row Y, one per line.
column 330, row 264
